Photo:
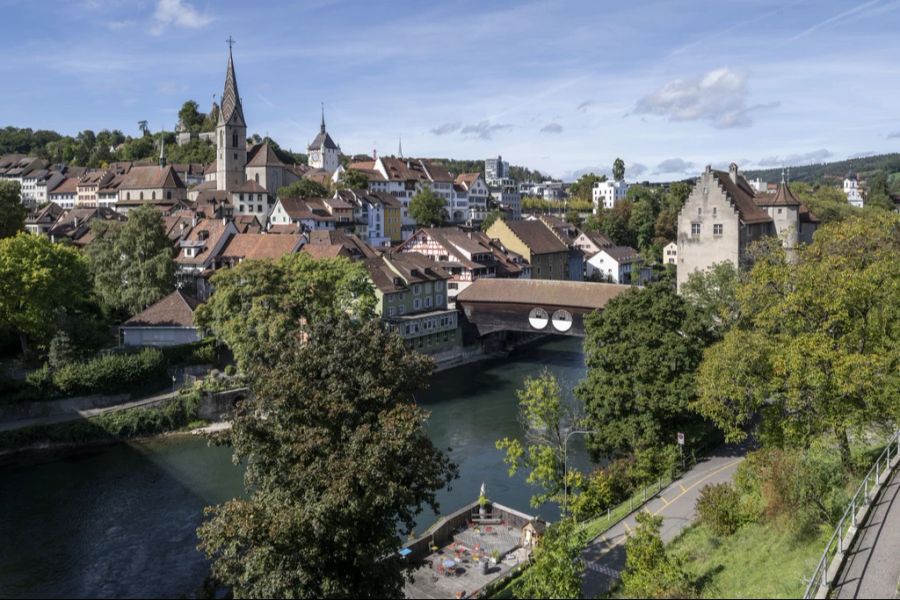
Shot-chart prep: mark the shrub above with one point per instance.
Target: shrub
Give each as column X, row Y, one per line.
column 719, row 508
column 230, row 370
column 650, row 572
column 40, row 380
column 110, row 373
column 596, row 497
column 197, row 353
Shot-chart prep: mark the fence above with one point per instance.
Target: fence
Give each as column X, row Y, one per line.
column 823, row 577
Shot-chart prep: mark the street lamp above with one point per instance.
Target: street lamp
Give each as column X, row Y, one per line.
column 566, row 466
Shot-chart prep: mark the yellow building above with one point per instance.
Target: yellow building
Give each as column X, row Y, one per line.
column 546, row 253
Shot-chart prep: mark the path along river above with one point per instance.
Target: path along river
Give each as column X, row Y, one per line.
column 119, row 521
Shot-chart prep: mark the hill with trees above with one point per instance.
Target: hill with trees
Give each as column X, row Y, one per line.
column 832, row 172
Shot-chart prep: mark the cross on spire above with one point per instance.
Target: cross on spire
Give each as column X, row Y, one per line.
column 230, row 41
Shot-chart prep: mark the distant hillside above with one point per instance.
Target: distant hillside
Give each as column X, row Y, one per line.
column 834, row 171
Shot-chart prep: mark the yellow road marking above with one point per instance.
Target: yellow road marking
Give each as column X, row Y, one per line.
column 664, row 500
column 683, row 492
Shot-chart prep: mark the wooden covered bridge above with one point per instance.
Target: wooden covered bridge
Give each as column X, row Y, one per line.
column 533, row 305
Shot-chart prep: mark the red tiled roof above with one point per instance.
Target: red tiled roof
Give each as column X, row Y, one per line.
column 175, row 310
column 257, row 246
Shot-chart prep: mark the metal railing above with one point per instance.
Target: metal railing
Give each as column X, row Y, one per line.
column 840, row 540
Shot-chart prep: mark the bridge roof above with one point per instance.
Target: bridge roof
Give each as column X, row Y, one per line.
column 542, row 292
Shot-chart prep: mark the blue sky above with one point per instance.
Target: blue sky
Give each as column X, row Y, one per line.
column 564, row 87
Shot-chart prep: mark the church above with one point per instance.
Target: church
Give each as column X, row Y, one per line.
column 249, row 178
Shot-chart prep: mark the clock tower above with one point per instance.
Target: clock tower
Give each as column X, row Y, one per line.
column 231, row 134
column 323, row 152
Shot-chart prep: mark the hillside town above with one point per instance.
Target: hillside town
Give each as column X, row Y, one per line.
column 324, row 374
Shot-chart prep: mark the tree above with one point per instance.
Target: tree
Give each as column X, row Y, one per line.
column 490, row 218
column 642, row 223
column 650, row 572
column 618, row 169
column 353, row 179
column 12, row 212
column 427, row 208
column 583, row 188
column 556, row 568
column 338, row 465
column 259, row 303
column 190, row 116
column 642, row 352
column 303, row 188
column 142, row 125
column 819, row 353
column 41, row 285
column 878, row 193
column 713, row 294
column 61, row 351
column 131, row 262
column 546, row 419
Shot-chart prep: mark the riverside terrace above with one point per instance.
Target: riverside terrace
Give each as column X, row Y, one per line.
column 459, row 551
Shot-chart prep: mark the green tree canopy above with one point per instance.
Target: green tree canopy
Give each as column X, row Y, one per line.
column 546, row 419
column 41, row 286
column 190, row 116
column 556, row 568
column 338, row 466
column 131, row 262
column 259, row 303
column 12, row 212
column 303, row 188
column 353, row 179
column 650, row 572
column 821, row 336
column 427, row 208
column 713, row 294
column 583, row 188
column 618, row 169
column 642, row 352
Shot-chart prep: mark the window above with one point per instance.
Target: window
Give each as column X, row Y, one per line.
column 401, row 309
column 717, row 229
column 695, row 229
column 699, row 211
column 417, row 304
column 427, row 301
column 391, row 311
column 417, row 289
column 715, row 211
column 390, row 298
column 439, row 299
column 234, row 141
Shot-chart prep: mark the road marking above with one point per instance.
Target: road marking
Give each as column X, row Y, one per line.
column 603, row 539
column 664, row 500
column 683, row 492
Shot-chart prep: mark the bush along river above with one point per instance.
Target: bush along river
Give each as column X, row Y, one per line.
column 120, row 520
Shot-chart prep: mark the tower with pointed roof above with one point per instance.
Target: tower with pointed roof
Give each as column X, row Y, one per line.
column 231, row 133
column 323, row 152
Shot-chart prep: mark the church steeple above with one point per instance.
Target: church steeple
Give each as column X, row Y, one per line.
column 162, row 150
column 231, row 110
column 322, row 128
column 400, row 146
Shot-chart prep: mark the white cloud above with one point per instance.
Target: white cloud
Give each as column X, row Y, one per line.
column 805, row 158
column 635, row 170
column 674, row 165
column 552, row 128
column 719, row 96
column 177, row 13
column 894, row 135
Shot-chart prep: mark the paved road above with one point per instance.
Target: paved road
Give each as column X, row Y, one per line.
column 873, row 564
column 605, row 556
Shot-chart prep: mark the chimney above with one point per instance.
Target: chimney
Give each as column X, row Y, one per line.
column 225, row 221
column 194, row 220
column 733, row 172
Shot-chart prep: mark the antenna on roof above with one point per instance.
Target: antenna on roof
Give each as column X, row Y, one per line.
column 400, row 146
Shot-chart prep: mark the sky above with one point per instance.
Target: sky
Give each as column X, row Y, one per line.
column 562, row 87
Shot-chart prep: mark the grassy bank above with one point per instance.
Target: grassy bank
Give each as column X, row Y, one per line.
column 175, row 414
column 757, row 561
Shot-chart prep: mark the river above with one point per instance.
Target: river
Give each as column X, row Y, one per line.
column 120, row 521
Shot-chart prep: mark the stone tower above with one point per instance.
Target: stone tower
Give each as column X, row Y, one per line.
column 231, row 133
column 323, row 152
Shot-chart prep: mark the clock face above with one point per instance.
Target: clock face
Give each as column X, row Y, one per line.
column 314, row 156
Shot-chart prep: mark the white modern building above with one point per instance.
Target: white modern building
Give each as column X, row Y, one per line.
column 607, row 193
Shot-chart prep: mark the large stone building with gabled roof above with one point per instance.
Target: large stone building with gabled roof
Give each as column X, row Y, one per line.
column 724, row 214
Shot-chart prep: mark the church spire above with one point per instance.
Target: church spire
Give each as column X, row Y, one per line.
column 231, row 108
column 322, row 128
column 400, row 146
column 162, row 150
